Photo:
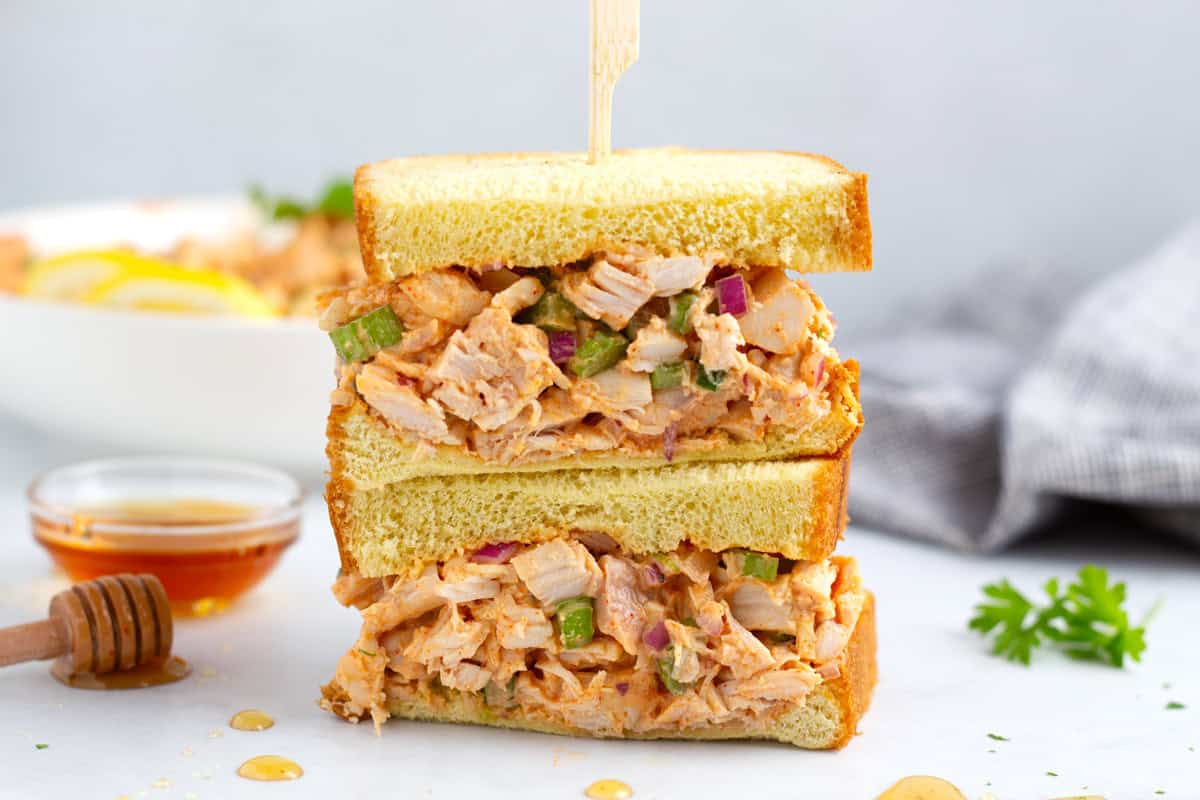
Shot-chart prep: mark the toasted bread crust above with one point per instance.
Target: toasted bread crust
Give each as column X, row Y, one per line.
column 845, row 246
column 826, row 720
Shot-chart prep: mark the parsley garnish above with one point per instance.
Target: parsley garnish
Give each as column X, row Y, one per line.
column 1086, row 621
column 41, row 746
column 1175, row 705
column 336, row 202
column 997, row 737
column 1051, row 774
column 367, row 653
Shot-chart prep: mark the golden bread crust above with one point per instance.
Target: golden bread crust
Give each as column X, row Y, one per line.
column 759, row 208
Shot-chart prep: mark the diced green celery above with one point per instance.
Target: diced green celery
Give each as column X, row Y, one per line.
column 602, row 350
column 758, row 565
column 665, row 664
column 552, row 312
column 680, row 305
column 709, row 380
column 667, row 376
column 690, row 622
column 575, row 627
column 364, row 336
column 346, row 343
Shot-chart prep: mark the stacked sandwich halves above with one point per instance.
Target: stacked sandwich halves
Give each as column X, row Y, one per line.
column 590, row 443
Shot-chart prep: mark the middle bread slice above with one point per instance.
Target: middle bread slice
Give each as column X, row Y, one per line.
column 795, row 508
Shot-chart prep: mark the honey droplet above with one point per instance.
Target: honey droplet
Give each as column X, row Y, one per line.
column 270, row 768
column 251, row 719
column 155, row 672
column 922, row 787
column 609, row 789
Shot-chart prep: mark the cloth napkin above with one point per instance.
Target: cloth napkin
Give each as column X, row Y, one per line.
column 1031, row 391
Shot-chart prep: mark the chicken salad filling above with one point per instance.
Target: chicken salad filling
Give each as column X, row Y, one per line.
column 623, row 351
column 573, row 632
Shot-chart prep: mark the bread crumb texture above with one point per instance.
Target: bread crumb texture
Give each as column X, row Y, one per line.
column 792, row 210
column 794, row 508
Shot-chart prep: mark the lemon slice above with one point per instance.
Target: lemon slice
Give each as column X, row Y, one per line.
column 158, row 286
column 70, row 277
column 122, row 279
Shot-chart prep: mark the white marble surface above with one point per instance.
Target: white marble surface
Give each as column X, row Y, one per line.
column 939, row 696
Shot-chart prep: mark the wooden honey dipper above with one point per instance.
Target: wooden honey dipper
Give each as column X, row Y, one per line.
column 114, row 623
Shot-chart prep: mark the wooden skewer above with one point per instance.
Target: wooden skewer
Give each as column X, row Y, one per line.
column 614, row 50
column 112, row 623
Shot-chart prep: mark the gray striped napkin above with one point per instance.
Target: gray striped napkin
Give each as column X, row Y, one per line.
column 1031, row 391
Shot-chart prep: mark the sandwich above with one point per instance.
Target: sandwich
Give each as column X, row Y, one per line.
column 536, row 313
column 589, row 447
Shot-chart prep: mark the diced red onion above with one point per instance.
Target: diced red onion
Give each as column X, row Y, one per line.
column 669, row 442
column 829, row 671
column 404, row 380
column 623, row 688
column 657, row 637
column 731, row 295
column 654, row 574
column 562, row 346
column 819, row 373
column 494, row 553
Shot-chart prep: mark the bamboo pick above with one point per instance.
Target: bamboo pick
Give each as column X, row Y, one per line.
column 614, row 50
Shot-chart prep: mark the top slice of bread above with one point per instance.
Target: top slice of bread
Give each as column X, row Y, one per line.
column 768, row 209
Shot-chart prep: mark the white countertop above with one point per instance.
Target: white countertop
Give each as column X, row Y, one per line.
column 939, row 696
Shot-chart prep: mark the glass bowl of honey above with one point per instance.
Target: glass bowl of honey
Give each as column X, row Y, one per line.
column 209, row 529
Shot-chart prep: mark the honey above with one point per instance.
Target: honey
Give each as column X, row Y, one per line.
column 270, row 768
column 922, row 787
column 206, row 552
column 251, row 719
column 157, row 672
column 609, row 789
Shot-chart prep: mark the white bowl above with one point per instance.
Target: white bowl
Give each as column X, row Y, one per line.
column 146, row 382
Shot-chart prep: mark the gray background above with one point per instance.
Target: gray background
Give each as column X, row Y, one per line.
column 1068, row 132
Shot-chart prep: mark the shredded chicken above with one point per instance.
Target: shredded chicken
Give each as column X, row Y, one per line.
column 14, row 254
column 671, row 276
column 558, row 570
column 493, row 370
column 778, row 320
column 608, row 293
column 489, row 631
column 655, row 345
column 473, row 369
column 720, row 340
column 400, row 404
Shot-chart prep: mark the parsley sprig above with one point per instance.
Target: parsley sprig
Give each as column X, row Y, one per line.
column 1086, row 621
column 336, row 202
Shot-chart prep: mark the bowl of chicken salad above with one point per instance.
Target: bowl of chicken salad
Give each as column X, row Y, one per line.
column 182, row 325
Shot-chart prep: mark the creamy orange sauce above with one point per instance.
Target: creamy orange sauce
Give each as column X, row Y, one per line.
column 251, row 719
column 202, row 572
column 608, row 789
column 270, row 768
column 922, row 787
